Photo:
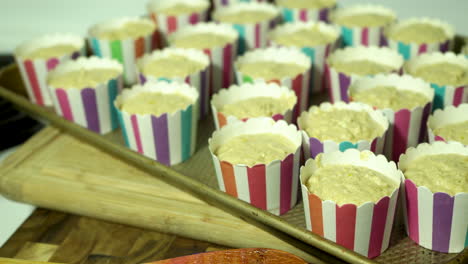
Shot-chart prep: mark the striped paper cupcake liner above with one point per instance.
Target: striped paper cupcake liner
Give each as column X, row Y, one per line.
column 299, row 84
column 317, row 54
column 447, row 116
column 249, row 91
column 365, row 229
column 339, row 82
column 272, row 186
column 199, row 80
column 436, row 221
column 255, row 35
column 34, row 71
column 411, row 50
column 226, row 3
column 126, row 51
column 222, row 58
column 90, row 107
column 169, row 138
column 305, row 15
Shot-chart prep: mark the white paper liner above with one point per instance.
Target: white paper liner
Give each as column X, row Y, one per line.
column 443, row 117
column 247, row 91
column 272, row 186
column 169, row 138
column 364, row 229
column 434, row 220
column 314, row 146
column 305, row 14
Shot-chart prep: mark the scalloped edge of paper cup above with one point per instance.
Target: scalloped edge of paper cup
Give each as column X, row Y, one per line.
column 360, row 9
column 47, row 41
column 289, row 28
column 443, row 117
column 449, row 29
column 206, row 27
column 157, row 5
column 117, row 23
column 239, row 7
column 435, row 57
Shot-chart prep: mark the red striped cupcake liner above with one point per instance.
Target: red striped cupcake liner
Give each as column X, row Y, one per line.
column 339, row 82
column 435, row 220
column 226, row 3
column 440, row 118
column 34, row 71
column 304, row 14
column 169, row 138
column 365, row 229
column 314, row 146
column 248, row 91
column 90, row 107
column 272, row 186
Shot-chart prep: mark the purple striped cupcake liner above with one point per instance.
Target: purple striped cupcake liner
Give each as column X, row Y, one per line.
column 249, row 91
column 90, row 107
column 435, row 220
column 445, row 95
column 444, row 117
column 227, row 3
column 363, row 36
column 294, row 14
column 273, row 186
column 411, row 50
column 317, row 54
column 221, row 57
column 199, row 79
column 339, row 82
column 365, row 228
column 34, row 71
column 314, row 146
column 169, row 138
column 126, row 51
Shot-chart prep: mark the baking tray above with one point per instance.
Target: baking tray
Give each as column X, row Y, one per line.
column 197, row 176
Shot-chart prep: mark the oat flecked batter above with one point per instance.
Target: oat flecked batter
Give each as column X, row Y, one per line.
column 128, row 30
column 271, row 70
column 156, row 103
column 172, row 66
column 454, row 132
column 443, row 74
column 364, row 20
column 50, row 52
column 361, row 67
column 84, row 78
column 245, row 17
column 256, row 107
column 419, row 33
column 305, row 37
column 202, row 41
column 390, row 97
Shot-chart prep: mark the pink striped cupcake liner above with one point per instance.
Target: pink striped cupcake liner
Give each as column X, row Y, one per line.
column 339, row 82
column 34, row 71
column 411, row 50
column 445, row 95
column 254, row 35
column 365, row 229
column 272, row 187
column 314, row 146
column 304, row 14
column 436, row 221
column 363, row 36
column 199, row 80
column 226, row 3
column 299, row 84
column 90, row 107
column 443, row 117
column 222, row 58
column 248, row 91
column 126, row 51
column 317, row 54
column 169, row 138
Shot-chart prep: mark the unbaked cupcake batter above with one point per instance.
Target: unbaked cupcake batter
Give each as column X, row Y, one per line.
column 443, row 74
column 364, row 20
column 83, row 78
column 172, row 66
column 440, row 172
column 361, row 67
column 202, row 41
column 245, row 16
column 257, row 107
column 180, row 9
column 390, row 97
column 341, row 125
column 308, row 4
column 344, row 184
column 454, row 132
column 133, row 29
column 255, row 149
column 54, row 51
column 156, row 103
column 419, row 33
column 270, row 70
column 312, row 36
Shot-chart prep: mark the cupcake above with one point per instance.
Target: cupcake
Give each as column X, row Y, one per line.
column 436, row 195
column 219, row 42
column 315, row 39
column 414, row 36
column 83, row 91
column 252, row 100
column 257, row 161
column 349, row 64
column 363, row 24
column 124, row 39
column 179, row 65
column 404, row 100
column 252, row 21
column 285, row 66
column 159, row 120
column 350, row 198
column 36, row 57
column 306, row 10
column 332, row 127
column 449, row 124
column 446, row 72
